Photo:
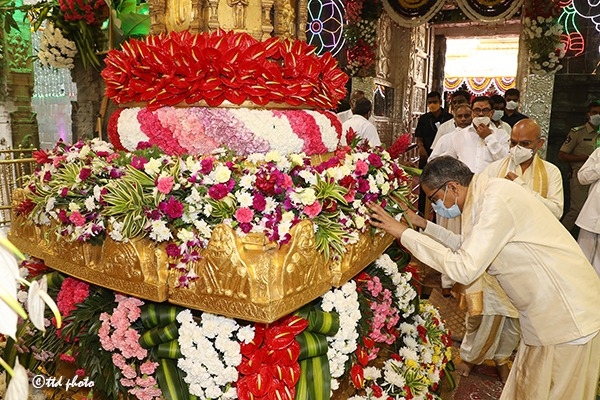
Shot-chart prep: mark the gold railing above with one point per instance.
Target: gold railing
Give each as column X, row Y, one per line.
column 15, row 164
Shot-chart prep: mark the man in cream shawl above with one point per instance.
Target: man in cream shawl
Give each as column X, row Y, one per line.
column 492, row 324
column 507, row 233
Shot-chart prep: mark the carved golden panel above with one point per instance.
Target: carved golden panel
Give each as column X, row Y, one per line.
column 240, row 277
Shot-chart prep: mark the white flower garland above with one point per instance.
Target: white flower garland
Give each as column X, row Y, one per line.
column 405, row 293
column 344, row 301
column 211, row 354
column 56, row 50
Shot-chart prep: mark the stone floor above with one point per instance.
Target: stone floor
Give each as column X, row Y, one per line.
column 483, row 383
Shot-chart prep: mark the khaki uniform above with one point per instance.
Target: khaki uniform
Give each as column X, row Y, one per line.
column 580, row 141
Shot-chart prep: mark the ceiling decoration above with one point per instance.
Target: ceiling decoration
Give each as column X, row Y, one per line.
column 489, row 10
column 411, row 13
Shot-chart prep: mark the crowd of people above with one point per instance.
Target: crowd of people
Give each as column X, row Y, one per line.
column 500, row 240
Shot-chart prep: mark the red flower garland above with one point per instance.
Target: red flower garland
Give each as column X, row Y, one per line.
column 215, row 67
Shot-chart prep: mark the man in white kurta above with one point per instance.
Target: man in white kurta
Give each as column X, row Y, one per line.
column 360, row 123
column 492, row 325
column 462, row 118
column 477, row 145
column 588, row 219
column 508, row 233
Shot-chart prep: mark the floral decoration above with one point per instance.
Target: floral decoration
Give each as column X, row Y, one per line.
column 181, row 67
column 211, row 353
column 55, row 50
column 88, row 190
column 360, row 30
column 73, row 23
column 119, row 337
column 201, row 130
column 542, row 32
column 198, row 354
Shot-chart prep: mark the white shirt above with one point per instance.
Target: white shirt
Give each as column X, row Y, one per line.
column 345, row 115
column 466, row 146
column 589, row 174
column 443, row 129
column 554, row 199
column 535, row 259
column 363, row 129
column 504, row 126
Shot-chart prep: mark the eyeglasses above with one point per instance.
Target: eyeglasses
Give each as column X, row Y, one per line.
column 430, row 197
column 481, row 110
column 523, row 143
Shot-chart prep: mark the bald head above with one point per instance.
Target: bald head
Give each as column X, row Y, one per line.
column 527, row 131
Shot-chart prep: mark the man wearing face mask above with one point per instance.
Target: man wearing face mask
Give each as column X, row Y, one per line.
column 492, row 326
column 477, row 146
column 511, row 115
column 426, row 130
column 508, row 233
column 576, row 149
column 460, row 98
column 428, row 125
column 499, row 110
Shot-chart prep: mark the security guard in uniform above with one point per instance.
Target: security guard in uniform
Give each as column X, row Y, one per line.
column 579, row 144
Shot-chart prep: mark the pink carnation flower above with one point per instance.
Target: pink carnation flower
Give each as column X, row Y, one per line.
column 165, row 184
column 244, row 215
column 313, row 210
column 77, row 219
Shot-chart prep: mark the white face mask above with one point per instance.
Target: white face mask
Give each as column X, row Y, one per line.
column 481, row 121
column 498, row 114
column 595, row 119
column 511, row 105
column 519, row 154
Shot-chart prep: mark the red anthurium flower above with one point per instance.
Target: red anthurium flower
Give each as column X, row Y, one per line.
column 242, row 390
column 296, row 323
column 286, row 356
column 280, row 391
column 357, row 374
column 362, row 356
column 252, row 364
column 368, row 342
column 291, row 375
column 279, row 337
column 260, row 382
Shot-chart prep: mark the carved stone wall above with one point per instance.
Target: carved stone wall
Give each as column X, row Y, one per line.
column 259, row 18
column 537, row 102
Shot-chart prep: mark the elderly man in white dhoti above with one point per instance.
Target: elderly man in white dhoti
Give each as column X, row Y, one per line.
column 509, row 234
column 492, row 325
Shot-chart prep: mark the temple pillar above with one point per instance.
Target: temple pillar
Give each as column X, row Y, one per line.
column 19, row 83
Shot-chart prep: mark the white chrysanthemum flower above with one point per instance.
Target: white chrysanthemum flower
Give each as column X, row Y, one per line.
column 55, row 50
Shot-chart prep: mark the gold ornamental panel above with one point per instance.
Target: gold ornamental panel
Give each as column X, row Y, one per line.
column 247, row 277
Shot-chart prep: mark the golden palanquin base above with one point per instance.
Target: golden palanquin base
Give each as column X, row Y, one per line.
column 247, row 278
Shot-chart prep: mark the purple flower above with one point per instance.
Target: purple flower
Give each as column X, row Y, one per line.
column 173, row 208
column 84, row 173
column 246, row 227
column 138, row 162
column 363, row 186
column 206, row 165
column 173, row 250
column 375, row 160
column 259, row 203
column 218, row 191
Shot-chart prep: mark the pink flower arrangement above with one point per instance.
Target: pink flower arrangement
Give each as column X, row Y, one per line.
column 118, row 336
column 198, row 130
column 72, row 292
